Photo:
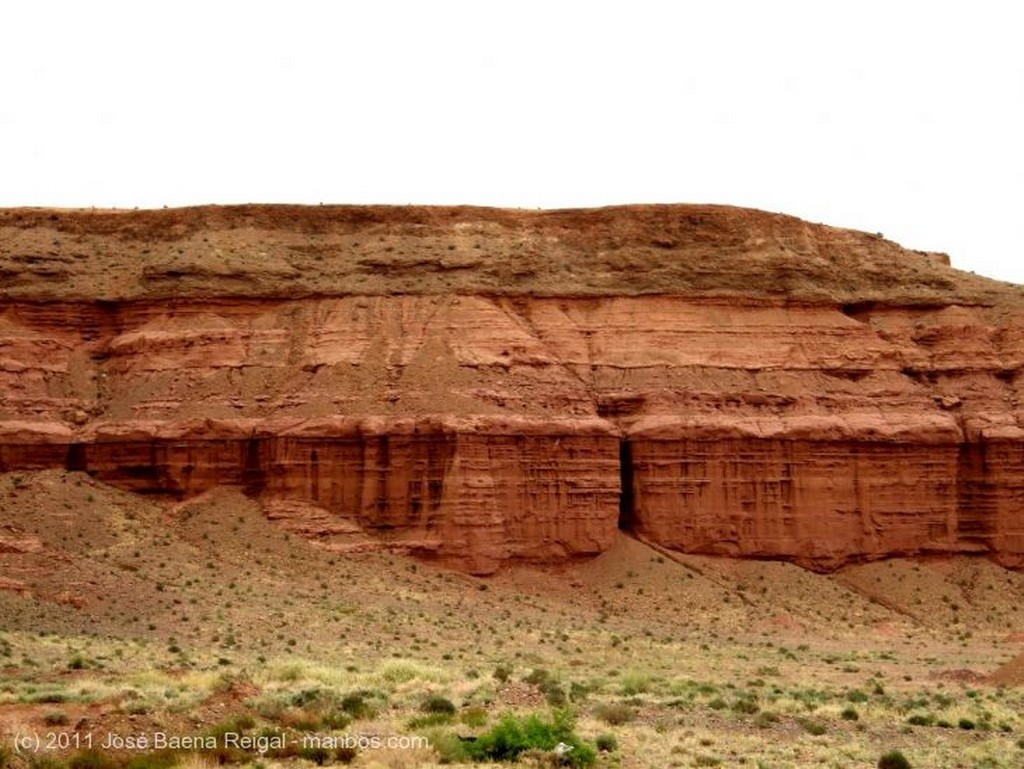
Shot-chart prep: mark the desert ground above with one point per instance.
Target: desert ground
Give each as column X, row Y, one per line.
column 146, row 632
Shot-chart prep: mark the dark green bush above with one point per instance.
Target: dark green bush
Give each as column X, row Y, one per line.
column 893, row 760
column 356, row 706
column 606, row 743
column 746, row 705
column 438, row 705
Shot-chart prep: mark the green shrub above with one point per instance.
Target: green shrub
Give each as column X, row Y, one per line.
column 513, row 735
column 537, row 677
column 334, row 719
column 438, row 705
column 893, row 760
column 966, row 724
column 449, row 748
column 765, row 719
column 356, row 706
column 850, row 714
column 606, row 743
column 746, row 705
column 919, row 719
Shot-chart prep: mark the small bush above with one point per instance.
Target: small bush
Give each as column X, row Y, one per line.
column 850, row 714
column 429, row 719
column 356, row 706
column 636, row 682
column 316, row 755
column 765, row 719
column 920, row 720
column 438, row 705
column 549, row 687
column 614, row 713
column 606, row 743
column 966, row 724
column 92, row 759
column 812, row 727
column 538, row 677
column 449, row 748
column 746, row 705
column 893, row 760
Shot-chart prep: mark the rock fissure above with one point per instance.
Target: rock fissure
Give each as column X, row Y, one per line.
column 627, row 503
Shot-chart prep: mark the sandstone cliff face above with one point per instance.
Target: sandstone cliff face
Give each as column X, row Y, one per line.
column 480, row 387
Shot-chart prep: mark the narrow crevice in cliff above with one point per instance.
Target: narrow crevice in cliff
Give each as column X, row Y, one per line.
column 626, row 500
column 253, row 479
column 76, row 461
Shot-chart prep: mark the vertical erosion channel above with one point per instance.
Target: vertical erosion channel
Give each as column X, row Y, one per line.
column 626, row 512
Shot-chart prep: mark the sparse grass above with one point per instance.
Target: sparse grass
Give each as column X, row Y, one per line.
column 642, row 669
column 615, row 713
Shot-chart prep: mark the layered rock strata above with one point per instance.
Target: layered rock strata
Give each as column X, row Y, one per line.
column 481, row 387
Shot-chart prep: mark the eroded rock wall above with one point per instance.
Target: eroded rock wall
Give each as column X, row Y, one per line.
column 482, row 387
column 818, row 503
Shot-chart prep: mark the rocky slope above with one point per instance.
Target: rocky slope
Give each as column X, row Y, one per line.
column 482, row 386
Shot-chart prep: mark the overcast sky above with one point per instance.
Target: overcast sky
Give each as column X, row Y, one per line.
column 897, row 117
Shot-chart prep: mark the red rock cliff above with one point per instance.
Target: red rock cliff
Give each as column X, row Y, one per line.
column 480, row 386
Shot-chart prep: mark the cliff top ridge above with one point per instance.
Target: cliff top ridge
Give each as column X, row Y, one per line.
column 286, row 251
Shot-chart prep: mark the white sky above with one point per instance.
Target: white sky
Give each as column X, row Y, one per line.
column 897, row 117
